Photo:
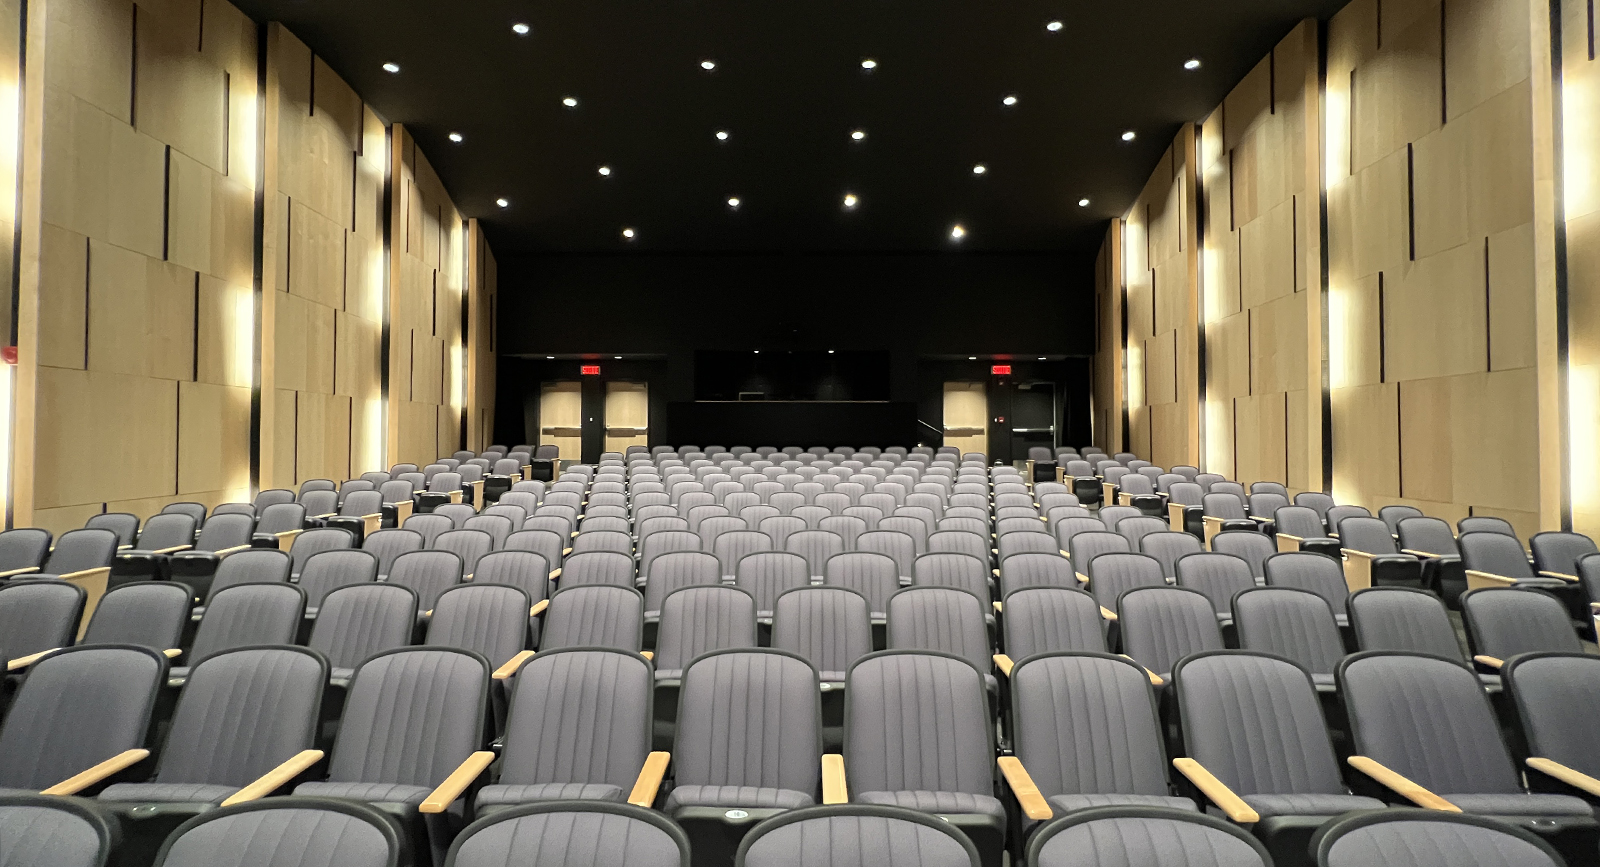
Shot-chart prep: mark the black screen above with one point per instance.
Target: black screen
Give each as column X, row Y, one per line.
column 797, row 375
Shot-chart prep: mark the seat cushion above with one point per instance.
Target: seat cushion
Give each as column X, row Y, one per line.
column 936, row 802
column 506, row 795
column 1521, row 805
column 168, row 793
column 668, row 674
column 760, row 797
column 1070, row 803
column 1309, row 805
column 372, row 793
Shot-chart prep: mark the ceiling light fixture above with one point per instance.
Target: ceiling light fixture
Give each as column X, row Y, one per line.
column 869, row 64
column 1083, row 202
column 957, row 232
column 1054, row 26
column 628, row 233
column 391, row 67
column 1041, row 358
column 1129, row 135
column 456, row 137
column 830, row 352
column 1009, row 100
column 733, row 202
column 1192, row 64
column 520, row 29
column 850, row 200
column 619, row 358
column 980, row 169
column 503, row 203
column 859, row 134
column 605, row 171
column 549, row 358
column 708, row 65
column 972, row 358
column 570, row 102
column 722, row 135
column 758, row 352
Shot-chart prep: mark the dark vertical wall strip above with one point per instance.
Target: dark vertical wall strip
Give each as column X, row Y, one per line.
column 166, row 206
column 1323, row 279
column 16, row 229
column 1411, row 200
column 1557, row 133
column 259, row 257
column 1200, row 299
column 1383, row 354
column 593, row 420
column 384, row 340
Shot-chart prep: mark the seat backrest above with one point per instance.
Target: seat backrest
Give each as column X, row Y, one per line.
column 942, row 619
column 23, row 547
column 1485, row 524
column 698, row 620
column 918, row 721
column 677, row 570
column 490, row 620
column 1255, row 721
column 830, row 627
column 1403, row 619
column 1427, row 719
column 767, row 574
column 76, row 708
column 313, row 542
column 1301, row 521
column 1429, row 535
column 1502, row 622
column 873, row 575
column 1086, row 724
column 659, row 544
column 1254, row 548
column 1560, row 552
column 1168, row 548
column 1317, row 573
column 411, row 717
column 78, row 550
column 274, row 497
column 225, row 531
column 319, row 502
column 431, row 527
column 963, row 572
column 498, row 527
column 968, row 541
column 426, row 573
column 1371, row 535
column 1113, row 574
column 1136, row 528
column 330, row 570
column 469, row 545
column 255, row 566
column 166, row 530
column 1223, row 505
column 1336, row 514
column 458, row 513
column 816, row 546
column 1556, row 697
column 1218, row 576
column 1295, row 624
column 359, row 621
column 1110, row 515
column 126, row 526
column 1431, row 839
column 594, row 615
column 749, row 718
column 1161, row 625
column 545, row 543
column 38, row 615
column 148, row 614
column 1393, row 515
column 578, row 715
column 245, row 615
column 1035, row 569
column 1051, row 619
column 525, row 571
column 1085, row 548
column 390, row 544
column 242, row 712
column 897, row 546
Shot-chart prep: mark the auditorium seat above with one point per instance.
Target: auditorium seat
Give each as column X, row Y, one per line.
column 126, row 526
column 594, row 616
column 1554, row 697
column 150, row 614
column 359, row 621
column 45, row 831
column 945, row 620
column 426, row 573
column 22, row 550
column 1161, row 625
column 1295, row 624
column 37, row 616
column 1430, row 839
column 545, row 543
column 1485, row 524
column 1502, row 622
column 1300, row 528
column 674, row 571
column 766, row 575
column 327, row 571
column 1249, row 546
column 1218, row 577
column 572, row 834
column 1144, row 835
column 244, row 615
column 468, row 544
column 526, row 571
column 1315, row 573
column 160, row 537
column 224, row 535
column 1434, row 542
column 875, row 576
column 360, row 514
column 1166, row 546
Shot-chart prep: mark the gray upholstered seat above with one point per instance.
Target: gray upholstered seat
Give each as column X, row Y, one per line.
column 1161, row 625
column 329, row 570
column 1219, row 577
column 1138, row 836
column 24, row 548
column 566, row 834
column 46, row 831
column 941, row 619
column 1497, row 553
column 830, row 627
column 1399, row 618
column 359, row 621
column 245, row 615
column 768, row 574
column 78, row 551
column 1306, row 526
column 734, row 546
column 875, row 576
column 1115, row 573
column 1560, row 552
column 1254, row 547
column 490, row 620
column 1314, row 573
column 856, row 835
column 1557, row 697
column 430, row 526
column 959, row 571
column 145, row 613
column 1036, row 569
column 595, row 615
column 816, row 546
column 125, row 525
column 313, row 542
column 1049, row 620
column 427, row 573
column 469, row 545
column 288, row 832
column 1430, row 839
column 38, row 615
column 389, row 544
column 255, row 566
column 696, row 620
column 1502, row 622
column 897, row 546
column 602, row 540
column 1294, row 624
column 1168, row 547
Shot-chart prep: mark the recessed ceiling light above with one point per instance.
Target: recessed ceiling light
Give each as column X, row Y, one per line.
column 391, row 67
column 830, row 352
column 619, row 358
column 957, row 232
column 503, row 203
column 980, row 169
column 972, row 358
column 1041, row 358
column 1129, row 135
column 456, row 137
column 1192, row 64
column 1054, row 26
column 1083, row 202
column 708, row 65
column 733, row 202
column 520, row 29
column 549, row 358
column 859, row 134
column 850, row 200
column 758, row 352
column 628, row 233
column 869, row 64
column 1009, row 100
column 570, row 102
column 722, row 135
column 605, row 171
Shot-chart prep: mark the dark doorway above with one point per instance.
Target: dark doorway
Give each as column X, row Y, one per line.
column 1033, row 417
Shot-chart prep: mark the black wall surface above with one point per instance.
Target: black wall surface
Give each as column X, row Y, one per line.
column 667, row 306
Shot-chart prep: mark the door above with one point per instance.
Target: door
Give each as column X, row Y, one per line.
column 627, row 415
column 561, row 418
column 1033, row 417
column 966, row 416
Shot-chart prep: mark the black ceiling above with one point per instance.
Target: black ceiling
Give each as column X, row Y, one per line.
column 789, row 88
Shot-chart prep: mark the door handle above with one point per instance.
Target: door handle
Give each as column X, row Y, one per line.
column 562, row 430
column 1028, row 430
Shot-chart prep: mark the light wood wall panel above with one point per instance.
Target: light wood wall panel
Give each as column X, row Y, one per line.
column 1580, row 117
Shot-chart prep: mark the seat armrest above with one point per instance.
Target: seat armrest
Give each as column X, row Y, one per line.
column 1562, row 575
column 649, row 782
column 1216, row 791
column 1108, row 614
column 999, row 607
column 555, row 573
column 1477, row 579
column 84, row 574
column 276, row 778
column 1401, row 786
column 538, row 608
column 172, row 652
column 11, row 573
column 1489, row 661
column 1033, row 804
column 454, row 785
column 507, row 671
column 648, row 654
column 1422, row 554
column 99, row 773
column 1004, row 663
column 1576, row 779
column 22, row 662
column 835, row 789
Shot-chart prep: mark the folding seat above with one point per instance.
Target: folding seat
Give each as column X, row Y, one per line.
column 246, row 508
column 780, row 527
column 594, row 615
column 1252, row 547
column 1263, row 508
column 649, row 494
column 960, row 571
column 1086, row 547
column 22, row 550
column 675, row 571
column 1300, row 528
column 830, row 627
column 951, row 524
column 1015, row 513
column 692, row 500
column 601, row 519
column 1136, row 529
column 1226, row 487
column 1067, row 528
column 1114, row 573
column 1371, row 557
column 313, row 542
column 944, row 619
column 602, row 540
column 1316, row 501
column 488, row 620
column 847, row 527
column 458, row 513
column 1016, row 500
column 1428, row 720
column 148, row 614
column 426, row 573
column 1501, row 624
column 834, row 501
column 1186, row 509
column 1224, row 512
column 812, row 515
column 1139, row 492
column 412, row 716
column 161, row 536
column 1295, row 624
column 82, row 558
column 262, row 566
column 1337, row 514
column 1482, row 524
column 223, row 536
column 359, row 621
column 1316, row 573
column 1405, row 620
column 918, row 735
column 390, row 544
column 1007, row 526
column 735, row 764
column 1081, row 476
column 1431, row 839
column 1557, row 554
column 1218, row 577
column 729, row 548
column 244, row 615
column 36, row 617
column 697, row 620
column 430, row 527
column 1166, row 546
column 970, row 542
column 1258, row 748
column 654, row 545
column 873, row 575
column 1393, row 515
column 1035, row 569
column 46, row 831
column 327, row 571
column 649, row 524
column 1498, row 560
column 898, row 546
column 397, row 505
column 244, row 717
column 816, row 546
column 768, row 489
column 884, row 503
column 1161, row 625
column 1555, row 696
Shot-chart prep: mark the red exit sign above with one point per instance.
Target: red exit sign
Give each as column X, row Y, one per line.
column 589, row 370
column 1000, row 369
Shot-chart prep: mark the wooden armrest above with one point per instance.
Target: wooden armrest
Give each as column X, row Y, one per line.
column 835, row 790
column 1063, row 553
column 23, row 571
column 1107, row 614
column 322, row 517
column 999, row 607
column 505, row 672
column 173, row 550
column 1033, row 804
column 1489, row 661
column 456, row 496
column 85, row 573
column 22, row 662
column 226, row 551
column 1291, row 537
column 566, row 551
column 448, row 791
column 649, row 782
column 1155, row 679
column 1562, row 575
column 103, row 771
column 996, row 572
column 172, row 652
column 555, row 573
column 119, row 547
column 1488, row 578
column 1349, row 552
column 538, row 608
column 1415, row 553
column 1401, row 786
column 276, row 778
column 1576, row 779
column 1082, row 578
column 1217, row 791
column 648, row 654
column 1004, row 663
column 1260, row 520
